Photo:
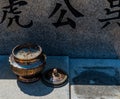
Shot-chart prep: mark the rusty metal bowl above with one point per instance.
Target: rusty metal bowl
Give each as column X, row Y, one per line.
column 26, row 73
column 29, row 67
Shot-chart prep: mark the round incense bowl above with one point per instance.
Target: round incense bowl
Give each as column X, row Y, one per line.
column 27, row 62
column 27, row 53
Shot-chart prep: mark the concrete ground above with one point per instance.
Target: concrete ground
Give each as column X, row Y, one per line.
column 88, row 79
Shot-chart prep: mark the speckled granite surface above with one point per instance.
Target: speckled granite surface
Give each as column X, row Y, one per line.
column 87, row 40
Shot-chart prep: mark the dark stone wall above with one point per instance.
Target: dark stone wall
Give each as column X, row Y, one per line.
column 86, row 40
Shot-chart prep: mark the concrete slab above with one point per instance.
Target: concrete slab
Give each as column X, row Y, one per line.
column 10, row 88
column 95, row 78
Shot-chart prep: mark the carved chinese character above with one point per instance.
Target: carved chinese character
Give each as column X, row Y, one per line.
column 109, row 12
column 13, row 9
column 68, row 21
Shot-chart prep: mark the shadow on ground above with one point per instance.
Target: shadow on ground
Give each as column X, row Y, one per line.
column 95, row 77
column 35, row 89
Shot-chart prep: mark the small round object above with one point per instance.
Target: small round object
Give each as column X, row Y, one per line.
column 26, row 53
column 55, row 77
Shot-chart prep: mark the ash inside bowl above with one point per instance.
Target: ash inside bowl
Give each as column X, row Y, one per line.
column 27, row 53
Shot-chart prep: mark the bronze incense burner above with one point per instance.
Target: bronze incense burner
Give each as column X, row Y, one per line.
column 27, row 61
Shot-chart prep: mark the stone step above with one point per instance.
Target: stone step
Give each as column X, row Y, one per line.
column 88, row 79
column 95, row 78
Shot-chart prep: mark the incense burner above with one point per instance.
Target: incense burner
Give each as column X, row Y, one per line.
column 27, row 61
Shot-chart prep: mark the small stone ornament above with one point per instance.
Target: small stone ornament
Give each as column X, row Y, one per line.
column 55, row 77
column 27, row 61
